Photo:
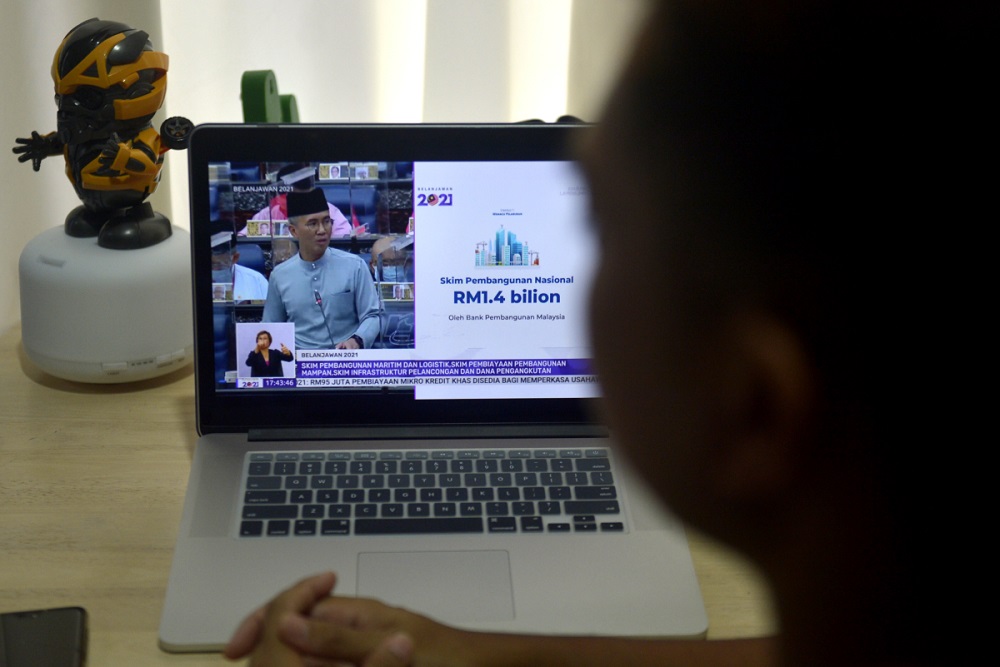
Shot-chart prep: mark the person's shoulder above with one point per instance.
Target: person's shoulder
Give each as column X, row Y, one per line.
column 344, row 256
column 247, row 272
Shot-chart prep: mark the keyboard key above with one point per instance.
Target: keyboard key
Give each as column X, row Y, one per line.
column 559, row 493
column 263, row 483
column 592, row 507
column 275, row 528
column 321, row 482
column 484, row 465
column 431, row 495
column 251, row 528
column 445, row 509
column 418, row 509
column 586, row 465
column 595, row 492
column 404, row 495
column 296, row 482
column 601, row 478
column 470, row 509
column 348, row 481
column 270, row 512
column 417, row 526
column 335, row 527
column 265, row 497
column 450, row 480
column 366, row 510
column 526, row 479
column 400, row 481
column 502, row 524
column 326, row 497
column 261, row 468
column 424, row 481
column 373, row 481
column 523, row 508
column 305, row 527
column 497, row 509
column 509, row 493
column 335, row 467
column 531, row 524
column 613, row 526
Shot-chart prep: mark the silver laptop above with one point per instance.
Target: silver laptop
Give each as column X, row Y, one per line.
column 444, row 456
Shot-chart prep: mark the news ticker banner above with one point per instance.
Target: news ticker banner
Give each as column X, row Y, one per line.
column 440, row 378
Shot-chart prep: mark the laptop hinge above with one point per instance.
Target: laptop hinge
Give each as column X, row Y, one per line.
column 434, row 432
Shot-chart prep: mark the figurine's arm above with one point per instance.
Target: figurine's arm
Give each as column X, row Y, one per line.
column 138, row 156
column 37, row 148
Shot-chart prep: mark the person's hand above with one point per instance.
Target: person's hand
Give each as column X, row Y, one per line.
column 258, row 634
column 349, row 344
column 304, row 627
column 284, row 349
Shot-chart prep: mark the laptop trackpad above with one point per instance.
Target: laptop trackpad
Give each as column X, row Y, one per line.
column 450, row 586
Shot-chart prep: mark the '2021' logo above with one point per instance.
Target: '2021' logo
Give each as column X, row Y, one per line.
column 443, row 199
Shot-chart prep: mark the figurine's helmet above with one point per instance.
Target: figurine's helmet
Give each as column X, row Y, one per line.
column 108, row 78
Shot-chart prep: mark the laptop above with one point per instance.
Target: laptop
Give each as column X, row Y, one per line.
column 445, row 456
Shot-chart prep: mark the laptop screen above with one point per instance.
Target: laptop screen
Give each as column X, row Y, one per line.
column 390, row 274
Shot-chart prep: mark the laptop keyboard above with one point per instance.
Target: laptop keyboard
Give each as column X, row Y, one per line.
column 331, row 493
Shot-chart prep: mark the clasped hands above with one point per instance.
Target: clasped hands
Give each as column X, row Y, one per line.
column 304, row 626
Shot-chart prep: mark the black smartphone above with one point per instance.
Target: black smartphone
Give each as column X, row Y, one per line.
column 44, row 638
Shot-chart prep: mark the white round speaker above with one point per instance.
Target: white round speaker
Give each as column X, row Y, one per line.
column 92, row 314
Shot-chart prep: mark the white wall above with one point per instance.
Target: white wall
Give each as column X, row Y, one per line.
column 344, row 60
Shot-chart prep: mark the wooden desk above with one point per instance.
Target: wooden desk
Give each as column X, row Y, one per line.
column 92, row 480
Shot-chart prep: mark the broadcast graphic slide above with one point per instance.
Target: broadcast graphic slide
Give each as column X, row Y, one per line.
column 502, row 267
column 505, row 263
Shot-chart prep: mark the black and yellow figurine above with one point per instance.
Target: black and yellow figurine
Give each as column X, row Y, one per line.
column 109, row 81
